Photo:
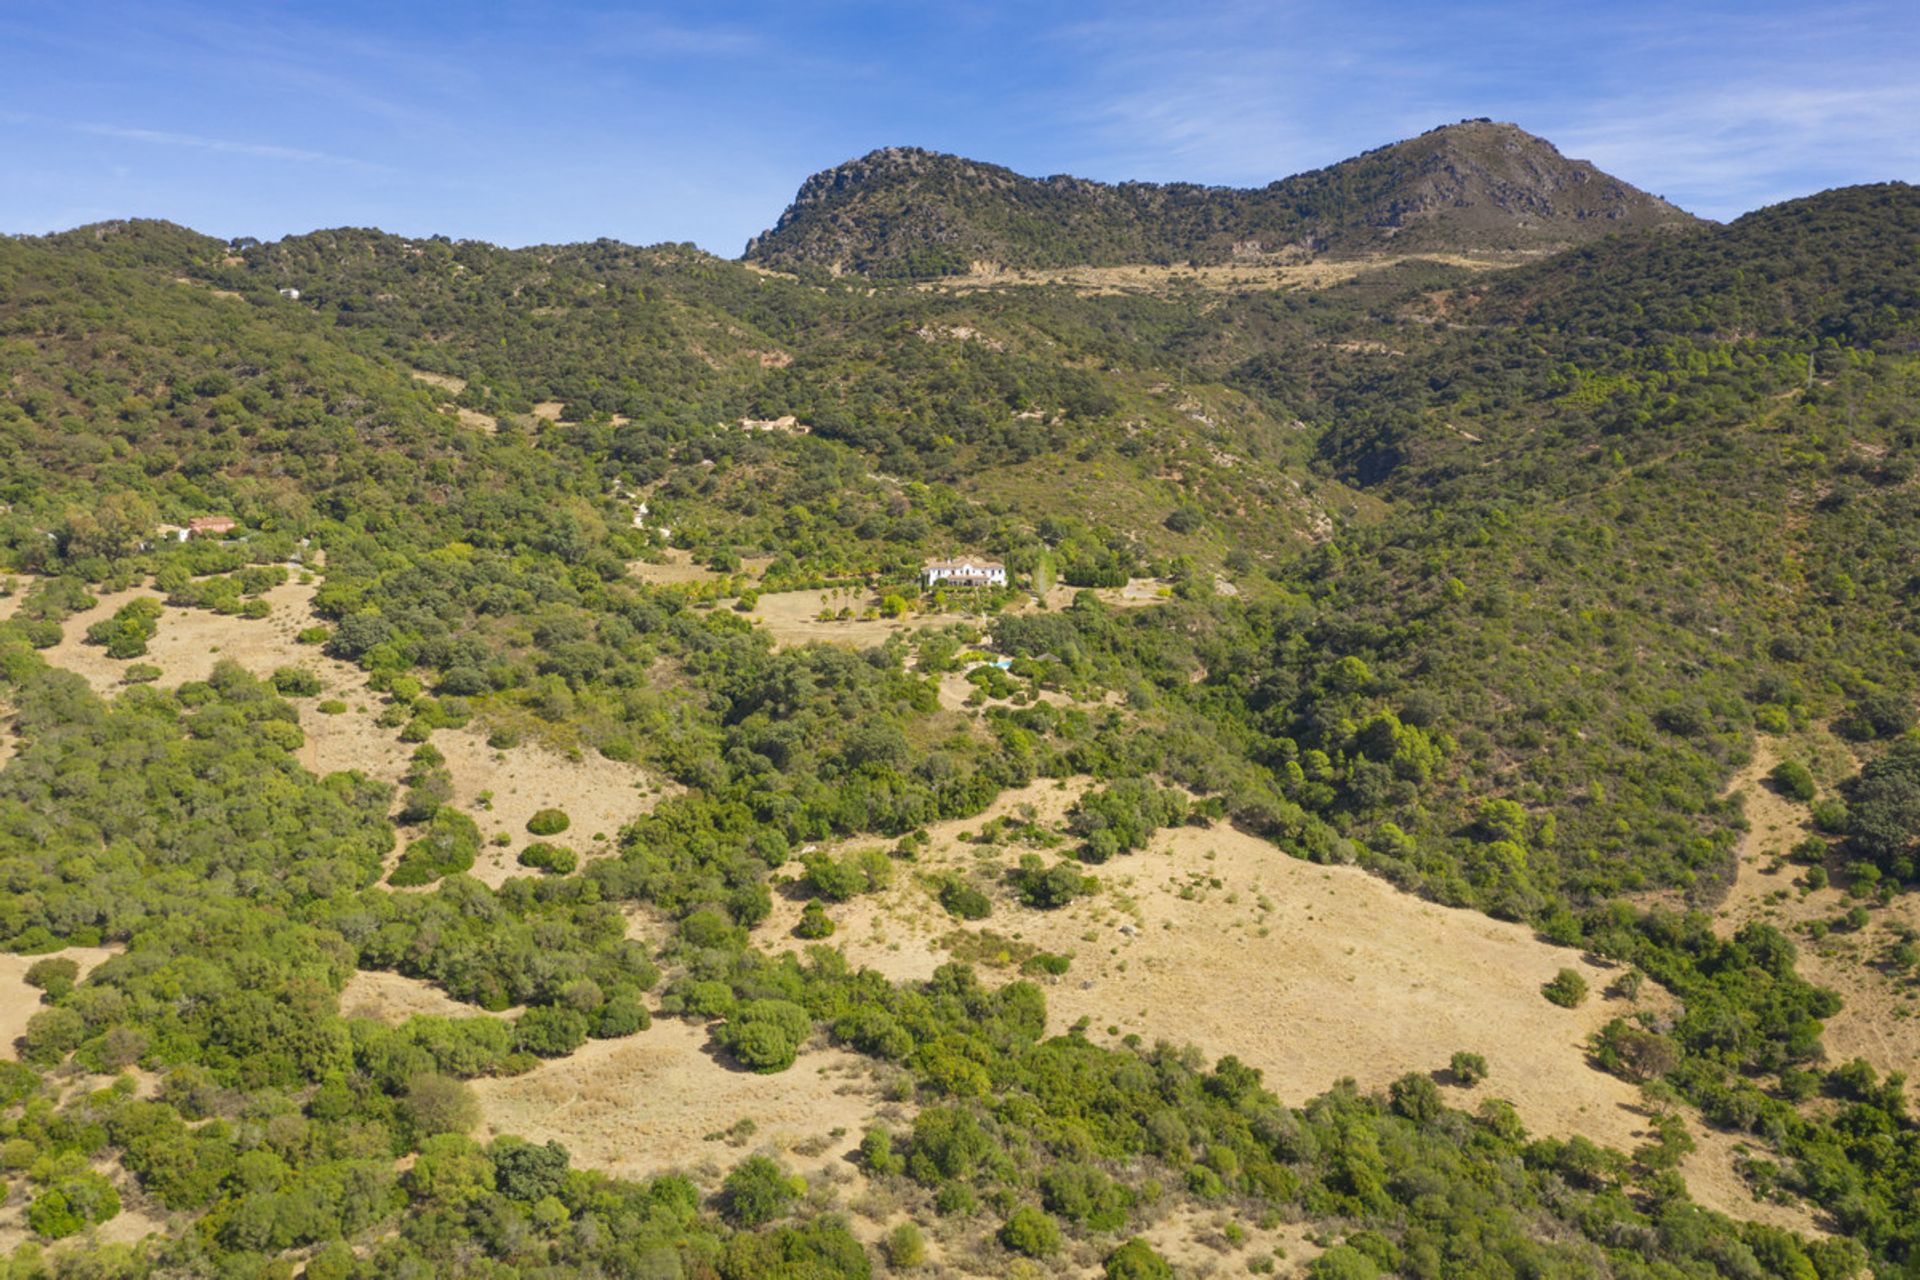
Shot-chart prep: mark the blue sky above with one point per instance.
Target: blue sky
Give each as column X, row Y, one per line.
column 536, row 122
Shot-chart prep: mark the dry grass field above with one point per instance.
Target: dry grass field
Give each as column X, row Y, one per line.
column 662, row 1100
column 1216, row 938
column 793, row 618
column 190, row 641
column 393, row 998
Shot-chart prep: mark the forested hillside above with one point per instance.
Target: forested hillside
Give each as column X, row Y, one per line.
column 1487, row 582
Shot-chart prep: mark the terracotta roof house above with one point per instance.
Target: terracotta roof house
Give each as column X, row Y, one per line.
column 965, row 572
column 203, row 526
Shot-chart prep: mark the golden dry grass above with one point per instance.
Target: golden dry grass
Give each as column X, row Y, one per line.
column 190, row 641
column 647, row 1103
column 792, row 618
column 1215, row 938
column 135, row 1222
column 675, row 568
column 393, row 998
column 1219, row 939
column 1713, row 1179
column 599, row 797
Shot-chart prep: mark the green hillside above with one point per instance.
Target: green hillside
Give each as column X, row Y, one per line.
column 1486, row 582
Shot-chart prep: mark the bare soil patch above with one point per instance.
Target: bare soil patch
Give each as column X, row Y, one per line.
column 599, row 795
column 134, row 1223
column 1138, row 593
column 1194, row 1240
column 1713, row 1178
column 473, row 419
column 190, row 641
column 640, row 1106
column 954, row 690
column 1339, row 974
column 898, row 932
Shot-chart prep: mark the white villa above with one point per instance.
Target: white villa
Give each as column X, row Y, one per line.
column 965, row 573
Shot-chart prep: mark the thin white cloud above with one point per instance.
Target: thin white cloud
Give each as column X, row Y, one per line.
column 227, row 146
column 1718, row 109
column 1724, row 152
column 645, row 35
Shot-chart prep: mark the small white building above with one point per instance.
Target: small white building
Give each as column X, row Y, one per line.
column 290, row 294
column 965, row 573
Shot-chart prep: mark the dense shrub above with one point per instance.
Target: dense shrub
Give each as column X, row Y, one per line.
column 1566, row 989
column 814, row 922
column 548, row 822
column 555, row 859
column 1046, row 887
column 1793, row 780
column 296, row 682
column 765, row 1035
column 1030, row 1232
column 962, row 901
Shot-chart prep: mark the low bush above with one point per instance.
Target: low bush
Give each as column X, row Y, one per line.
column 548, row 822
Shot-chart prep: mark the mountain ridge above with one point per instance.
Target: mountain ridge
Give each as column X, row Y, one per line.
column 1478, row 185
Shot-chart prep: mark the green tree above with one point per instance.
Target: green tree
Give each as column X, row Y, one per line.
column 758, row 1191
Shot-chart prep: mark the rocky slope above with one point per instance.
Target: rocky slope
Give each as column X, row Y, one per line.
column 1477, row 186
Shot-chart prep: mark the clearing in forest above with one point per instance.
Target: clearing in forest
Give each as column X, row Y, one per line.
column 392, row 998
column 1219, row 939
column 190, row 641
column 666, row 1099
column 793, row 618
column 19, row 1002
